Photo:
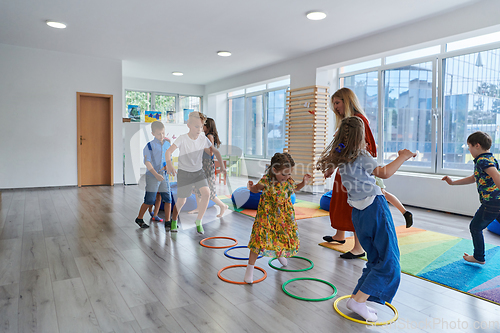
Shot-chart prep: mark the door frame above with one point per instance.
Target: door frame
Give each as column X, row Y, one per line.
column 78, row 132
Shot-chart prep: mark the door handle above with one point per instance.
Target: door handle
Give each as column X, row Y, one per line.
column 81, row 138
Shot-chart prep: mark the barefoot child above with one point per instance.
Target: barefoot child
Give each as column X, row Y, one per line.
column 487, row 179
column 274, row 232
column 371, row 216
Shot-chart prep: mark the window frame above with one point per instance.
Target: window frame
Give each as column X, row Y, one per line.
column 264, row 94
column 153, row 102
column 437, row 112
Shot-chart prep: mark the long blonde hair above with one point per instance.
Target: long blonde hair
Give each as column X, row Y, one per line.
column 351, row 105
column 346, row 146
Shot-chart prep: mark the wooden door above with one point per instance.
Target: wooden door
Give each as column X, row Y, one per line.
column 95, row 139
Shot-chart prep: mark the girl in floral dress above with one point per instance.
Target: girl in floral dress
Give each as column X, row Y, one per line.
column 275, row 232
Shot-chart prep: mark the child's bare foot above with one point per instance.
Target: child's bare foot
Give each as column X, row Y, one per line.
column 223, row 210
column 194, row 211
column 470, row 258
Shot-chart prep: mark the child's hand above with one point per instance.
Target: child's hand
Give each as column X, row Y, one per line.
column 167, row 139
column 406, row 154
column 250, row 184
column 170, row 170
column 307, row 178
column 328, row 173
column 159, row 177
column 448, row 180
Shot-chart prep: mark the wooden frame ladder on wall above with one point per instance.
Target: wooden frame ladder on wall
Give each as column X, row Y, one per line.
column 307, row 129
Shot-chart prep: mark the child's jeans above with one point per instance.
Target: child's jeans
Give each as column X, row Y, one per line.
column 487, row 212
column 154, row 186
column 377, row 235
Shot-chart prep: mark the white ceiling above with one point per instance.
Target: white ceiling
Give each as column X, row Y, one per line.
column 156, row 37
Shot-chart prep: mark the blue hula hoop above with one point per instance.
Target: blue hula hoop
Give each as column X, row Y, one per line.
column 237, row 258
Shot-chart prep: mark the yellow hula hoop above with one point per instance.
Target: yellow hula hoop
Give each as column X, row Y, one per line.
column 377, row 323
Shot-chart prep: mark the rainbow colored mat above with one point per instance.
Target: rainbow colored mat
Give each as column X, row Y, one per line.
column 438, row 258
column 303, row 209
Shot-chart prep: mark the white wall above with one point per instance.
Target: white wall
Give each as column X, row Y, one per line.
column 132, row 83
column 38, row 139
column 429, row 191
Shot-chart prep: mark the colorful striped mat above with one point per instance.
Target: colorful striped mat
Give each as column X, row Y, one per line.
column 303, row 209
column 438, row 258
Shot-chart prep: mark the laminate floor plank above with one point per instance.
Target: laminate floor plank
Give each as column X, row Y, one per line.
column 33, row 253
column 51, row 223
column 164, row 287
column 154, row 316
column 156, row 252
column 74, row 312
column 10, row 263
column 5, row 201
column 61, row 261
column 269, row 318
column 9, row 305
column 13, row 223
column 129, row 283
column 192, row 318
column 65, row 213
column 109, row 306
column 32, row 216
column 80, row 246
column 37, row 311
column 230, row 318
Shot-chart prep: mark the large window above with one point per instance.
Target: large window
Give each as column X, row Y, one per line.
column 431, row 102
column 254, row 137
column 139, row 98
column 471, row 103
column 256, row 119
column 236, row 123
column 174, row 108
column 408, row 112
column 275, row 121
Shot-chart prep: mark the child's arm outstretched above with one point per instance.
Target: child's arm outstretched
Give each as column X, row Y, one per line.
column 391, row 168
column 305, row 181
column 254, row 188
column 168, row 159
column 463, row 181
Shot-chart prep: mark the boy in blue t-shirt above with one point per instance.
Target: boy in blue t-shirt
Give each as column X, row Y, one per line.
column 156, row 176
column 487, row 178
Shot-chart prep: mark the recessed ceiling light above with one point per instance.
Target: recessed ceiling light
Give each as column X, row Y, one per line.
column 177, row 73
column 224, row 53
column 316, row 16
column 54, row 24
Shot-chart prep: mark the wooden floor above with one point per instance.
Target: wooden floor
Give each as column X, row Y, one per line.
column 73, row 260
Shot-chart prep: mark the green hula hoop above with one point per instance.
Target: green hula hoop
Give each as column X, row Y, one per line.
column 310, row 299
column 292, row 270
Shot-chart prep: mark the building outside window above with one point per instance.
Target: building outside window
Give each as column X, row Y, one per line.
column 256, row 119
column 431, row 104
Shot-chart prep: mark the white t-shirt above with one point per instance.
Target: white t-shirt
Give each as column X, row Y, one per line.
column 191, row 151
